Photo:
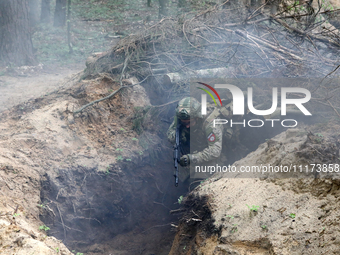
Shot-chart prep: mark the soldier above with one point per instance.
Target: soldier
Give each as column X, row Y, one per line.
column 206, row 140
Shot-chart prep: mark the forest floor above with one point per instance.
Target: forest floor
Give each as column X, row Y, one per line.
column 95, row 27
column 18, row 89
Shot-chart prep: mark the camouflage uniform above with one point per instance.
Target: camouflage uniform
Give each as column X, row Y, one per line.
column 206, row 140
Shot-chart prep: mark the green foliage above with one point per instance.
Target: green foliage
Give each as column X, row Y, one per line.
column 57, row 249
column 318, row 140
column 128, row 159
column 180, row 199
column 120, row 150
column 230, row 216
column 264, row 226
column 234, row 228
column 44, row 227
column 16, row 215
column 134, row 139
column 253, row 208
column 119, row 158
column 292, row 215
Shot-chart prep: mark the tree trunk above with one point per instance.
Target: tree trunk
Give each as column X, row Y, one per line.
column 171, row 78
column 33, row 12
column 45, row 11
column 69, row 26
column 149, row 3
column 162, row 8
column 60, row 13
column 15, row 34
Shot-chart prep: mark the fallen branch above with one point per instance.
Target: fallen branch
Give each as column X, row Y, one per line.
column 107, row 97
column 332, row 71
column 177, row 211
column 322, row 39
column 99, row 100
column 333, row 108
column 269, row 45
column 156, row 106
column 193, row 219
column 83, row 218
column 62, row 222
column 246, row 22
column 171, row 78
column 157, row 226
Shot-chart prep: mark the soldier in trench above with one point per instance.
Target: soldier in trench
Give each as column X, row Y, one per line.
column 206, row 139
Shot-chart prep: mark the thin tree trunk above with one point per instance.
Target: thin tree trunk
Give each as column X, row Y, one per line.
column 69, row 26
column 162, row 8
column 45, row 11
column 15, row 34
column 60, row 13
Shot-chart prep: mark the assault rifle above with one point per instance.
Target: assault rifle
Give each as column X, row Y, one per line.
column 177, row 152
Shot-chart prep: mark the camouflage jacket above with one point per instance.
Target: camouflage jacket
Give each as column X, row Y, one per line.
column 206, row 140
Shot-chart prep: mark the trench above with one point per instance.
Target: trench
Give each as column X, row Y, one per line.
column 123, row 212
column 126, row 210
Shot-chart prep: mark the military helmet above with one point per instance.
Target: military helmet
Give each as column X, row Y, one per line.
column 188, row 108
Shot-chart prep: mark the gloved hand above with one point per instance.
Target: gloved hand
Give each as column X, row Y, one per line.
column 184, row 160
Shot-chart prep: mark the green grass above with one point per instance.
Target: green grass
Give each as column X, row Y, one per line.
column 44, row 227
column 253, row 208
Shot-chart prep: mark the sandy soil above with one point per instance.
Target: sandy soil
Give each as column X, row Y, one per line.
column 282, row 216
column 18, row 89
column 74, row 173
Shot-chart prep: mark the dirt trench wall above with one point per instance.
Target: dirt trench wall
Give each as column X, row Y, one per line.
column 96, row 207
column 21, row 231
column 290, row 215
column 88, row 179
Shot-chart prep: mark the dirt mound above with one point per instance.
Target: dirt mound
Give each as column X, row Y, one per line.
column 274, row 215
column 84, row 173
